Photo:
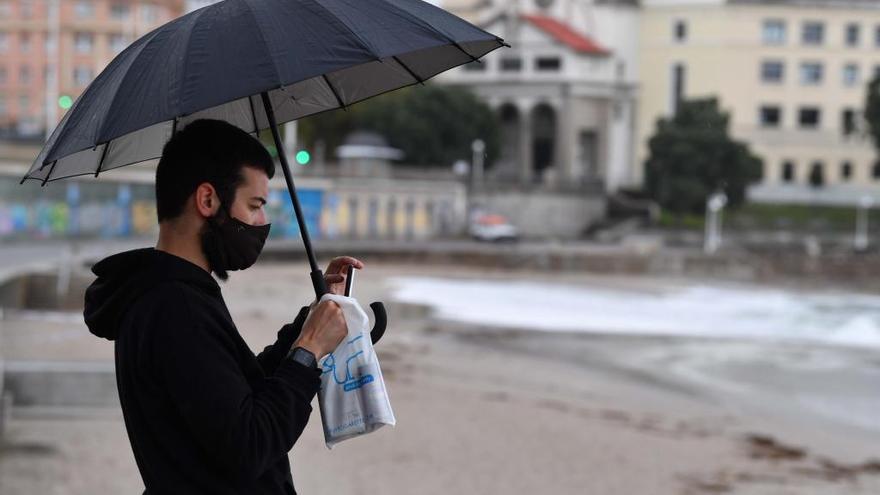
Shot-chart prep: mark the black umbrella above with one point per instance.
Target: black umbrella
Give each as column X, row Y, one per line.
column 254, row 64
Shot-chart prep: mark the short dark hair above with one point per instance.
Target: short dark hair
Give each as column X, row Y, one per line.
column 212, row 151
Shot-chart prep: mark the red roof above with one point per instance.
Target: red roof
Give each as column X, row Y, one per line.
column 565, row 34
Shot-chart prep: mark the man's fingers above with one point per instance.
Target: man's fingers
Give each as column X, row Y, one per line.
column 337, row 264
column 334, row 278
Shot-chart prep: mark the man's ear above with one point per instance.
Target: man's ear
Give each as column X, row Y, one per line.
column 206, row 199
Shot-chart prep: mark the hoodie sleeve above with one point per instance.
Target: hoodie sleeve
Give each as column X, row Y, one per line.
column 244, row 430
column 272, row 355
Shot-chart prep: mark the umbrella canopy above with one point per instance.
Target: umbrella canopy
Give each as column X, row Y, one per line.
column 218, row 62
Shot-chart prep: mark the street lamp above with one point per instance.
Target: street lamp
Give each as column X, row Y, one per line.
column 860, row 242
column 479, row 148
column 714, row 204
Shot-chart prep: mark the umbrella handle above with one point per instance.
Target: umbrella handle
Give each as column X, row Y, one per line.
column 381, row 321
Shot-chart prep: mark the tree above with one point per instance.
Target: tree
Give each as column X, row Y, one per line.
column 692, row 156
column 433, row 125
column 872, row 109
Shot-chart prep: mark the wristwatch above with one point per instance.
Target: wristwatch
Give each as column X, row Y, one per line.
column 304, row 357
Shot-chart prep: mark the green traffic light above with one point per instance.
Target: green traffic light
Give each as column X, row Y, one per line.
column 65, row 102
column 303, row 157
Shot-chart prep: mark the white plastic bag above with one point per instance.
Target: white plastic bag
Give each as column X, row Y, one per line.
column 353, row 399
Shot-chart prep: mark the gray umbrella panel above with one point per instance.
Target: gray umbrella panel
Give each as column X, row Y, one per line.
column 172, row 76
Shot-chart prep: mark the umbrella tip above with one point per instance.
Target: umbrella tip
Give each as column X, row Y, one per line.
column 22, row 180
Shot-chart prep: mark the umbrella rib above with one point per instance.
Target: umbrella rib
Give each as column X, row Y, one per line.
column 103, row 155
column 338, row 99
column 473, row 58
column 46, row 179
column 128, row 75
column 413, row 74
column 254, row 115
column 416, row 19
column 362, row 41
column 262, row 37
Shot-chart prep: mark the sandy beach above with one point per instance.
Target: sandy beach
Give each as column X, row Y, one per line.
column 494, row 409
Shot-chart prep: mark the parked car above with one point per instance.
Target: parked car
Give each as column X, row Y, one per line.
column 492, row 227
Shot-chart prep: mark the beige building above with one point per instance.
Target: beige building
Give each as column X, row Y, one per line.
column 792, row 74
column 54, row 48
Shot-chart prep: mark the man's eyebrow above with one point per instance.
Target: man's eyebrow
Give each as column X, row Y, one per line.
column 260, row 198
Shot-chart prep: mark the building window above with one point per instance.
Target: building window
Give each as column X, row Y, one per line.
column 813, row 33
column 846, row 171
column 848, row 121
column 817, row 174
column 679, row 31
column 4, row 41
column 5, row 9
column 787, row 171
column 27, row 9
column 149, row 13
column 119, row 11
column 84, row 9
column 51, row 43
column 811, row 73
column 772, row 71
column 852, row 34
column 850, row 75
column 773, row 32
column 24, row 104
column 24, row 42
column 875, row 171
column 3, row 75
column 877, row 36
column 809, row 117
column 2, row 105
column 511, row 64
column 475, row 66
column 24, row 74
column 118, row 42
column 83, row 42
column 679, row 73
column 548, row 63
column 771, row 116
column 82, row 75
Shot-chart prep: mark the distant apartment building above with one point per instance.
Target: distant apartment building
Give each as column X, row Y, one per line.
column 190, row 5
column 792, row 74
column 50, row 50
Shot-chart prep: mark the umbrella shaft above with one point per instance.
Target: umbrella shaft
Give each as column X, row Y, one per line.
column 316, row 275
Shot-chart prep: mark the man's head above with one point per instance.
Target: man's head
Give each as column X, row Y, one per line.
column 210, row 156
column 210, row 175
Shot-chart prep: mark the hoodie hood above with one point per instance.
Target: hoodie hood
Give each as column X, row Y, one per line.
column 125, row 276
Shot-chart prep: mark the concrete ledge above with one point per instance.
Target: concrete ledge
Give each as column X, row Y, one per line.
column 61, row 383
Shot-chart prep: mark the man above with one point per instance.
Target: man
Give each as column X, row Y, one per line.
column 203, row 414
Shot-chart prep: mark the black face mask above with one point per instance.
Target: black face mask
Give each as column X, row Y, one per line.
column 230, row 244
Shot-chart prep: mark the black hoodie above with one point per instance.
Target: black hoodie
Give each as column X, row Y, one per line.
column 203, row 414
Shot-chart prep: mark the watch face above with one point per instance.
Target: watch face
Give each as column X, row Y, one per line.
column 305, row 357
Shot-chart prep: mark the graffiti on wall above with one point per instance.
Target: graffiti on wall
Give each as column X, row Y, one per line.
column 123, row 210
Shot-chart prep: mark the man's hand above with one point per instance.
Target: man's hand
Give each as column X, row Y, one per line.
column 323, row 330
column 334, row 275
